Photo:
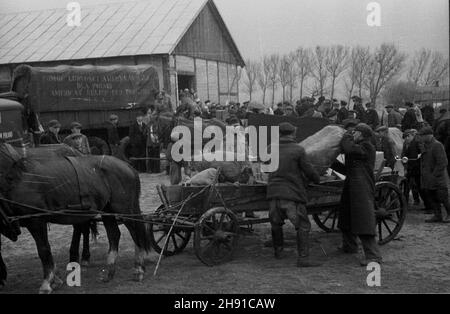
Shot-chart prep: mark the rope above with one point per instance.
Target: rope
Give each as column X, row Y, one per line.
column 168, row 236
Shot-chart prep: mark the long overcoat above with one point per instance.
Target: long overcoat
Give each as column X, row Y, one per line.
column 357, row 212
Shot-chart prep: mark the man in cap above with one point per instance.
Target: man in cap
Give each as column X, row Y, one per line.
column 74, row 139
column 113, row 138
column 51, row 136
column 289, row 111
column 358, row 108
column 279, row 111
column 371, row 116
column 433, row 174
column 357, row 211
column 411, row 150
column 394, row 117
column 442, row 133
column 138, row 141
column 386, row 145
column 286, row 192
column 343, row 112
column 410, row 119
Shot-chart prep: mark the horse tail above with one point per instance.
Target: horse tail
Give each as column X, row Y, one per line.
column 94, row 229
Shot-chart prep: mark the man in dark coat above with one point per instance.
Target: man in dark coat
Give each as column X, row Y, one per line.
column 113, row 139
column 359, row 109
column 410, row 119
column 286, row 192
column 279, row 111
column 394, row 117
column 357, row 213
column 428, row 114
column 433, row 177
column 343, row 113
column 386, row 145
column 442, row 133
column 51, row 136
column 372, row 118
column 411, row 150
column 138, row 141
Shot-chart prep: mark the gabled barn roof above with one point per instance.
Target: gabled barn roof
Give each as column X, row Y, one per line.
column 121, row 29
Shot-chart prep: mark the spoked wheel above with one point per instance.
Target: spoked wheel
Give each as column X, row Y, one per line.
column 177, row 241
column 216, row 236
column 390, row 210
column 327, row 220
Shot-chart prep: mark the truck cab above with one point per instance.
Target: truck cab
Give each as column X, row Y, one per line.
column 11, row 122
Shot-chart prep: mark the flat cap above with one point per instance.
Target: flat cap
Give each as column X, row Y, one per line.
column 382, row 128
column 343, row 103
column 409, row 132
column 350, row 122
column 287, row 128
column 426, row 131
column 389, row 106
column 365, row 130
column 54, row 124
column 75, row 125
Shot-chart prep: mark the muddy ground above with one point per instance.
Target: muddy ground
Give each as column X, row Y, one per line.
column 417, row 262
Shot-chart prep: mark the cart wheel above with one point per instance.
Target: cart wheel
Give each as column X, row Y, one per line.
column 216, row 236
column 390, row 210
column 327, row 220
column 177, row 241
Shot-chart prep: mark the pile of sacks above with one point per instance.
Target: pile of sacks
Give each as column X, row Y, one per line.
column 324, row 147
column 230, row 171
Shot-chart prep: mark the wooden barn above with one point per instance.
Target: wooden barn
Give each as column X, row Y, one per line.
column 186, row 41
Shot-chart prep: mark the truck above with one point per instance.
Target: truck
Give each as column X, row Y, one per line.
column 87, row 94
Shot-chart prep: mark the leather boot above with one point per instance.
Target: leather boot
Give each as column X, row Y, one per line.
column 303, row 259
column 278, row 242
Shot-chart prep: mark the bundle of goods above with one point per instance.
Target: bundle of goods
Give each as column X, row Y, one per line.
column 324, row 147
column 230, row 171
column 397, row 136
column 206, row 177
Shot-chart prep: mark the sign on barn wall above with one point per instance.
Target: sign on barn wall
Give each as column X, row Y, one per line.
column 88, row 88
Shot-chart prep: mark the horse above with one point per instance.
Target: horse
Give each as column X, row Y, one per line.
column 114, row 190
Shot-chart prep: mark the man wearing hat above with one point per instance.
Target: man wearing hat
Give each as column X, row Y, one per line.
column 386, row 145
column 289, row 111
column 433, row 174
column 78, row 140
column 51, row 136
column 394, row 117
column 357, row 211
column 371, row 116
column 410, row 120
column 343, row 112
column 113, row 134
column 358, row 108
column 411, row 150
column 286, row 191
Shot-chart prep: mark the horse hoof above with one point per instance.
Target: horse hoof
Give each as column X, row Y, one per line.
column 138, row 277
column 85, row 263
column 56, row 284
column 106, row 276
column 45, row 291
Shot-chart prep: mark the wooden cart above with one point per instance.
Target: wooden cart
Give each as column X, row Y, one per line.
column 216, row 213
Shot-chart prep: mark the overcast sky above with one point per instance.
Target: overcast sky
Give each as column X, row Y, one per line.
column 266, row 26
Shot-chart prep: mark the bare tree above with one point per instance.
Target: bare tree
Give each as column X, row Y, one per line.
column 384, row 64
column 283, row 74
column 274, row 61
column 336, row 63
column 352, row 73
column 303, row 62
column 291, row 73
column 363, row 58
column 320, row 72
column 235, row 80
column 263, row 76
column 251, row 70
column 438, row 69
column 418, row 66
